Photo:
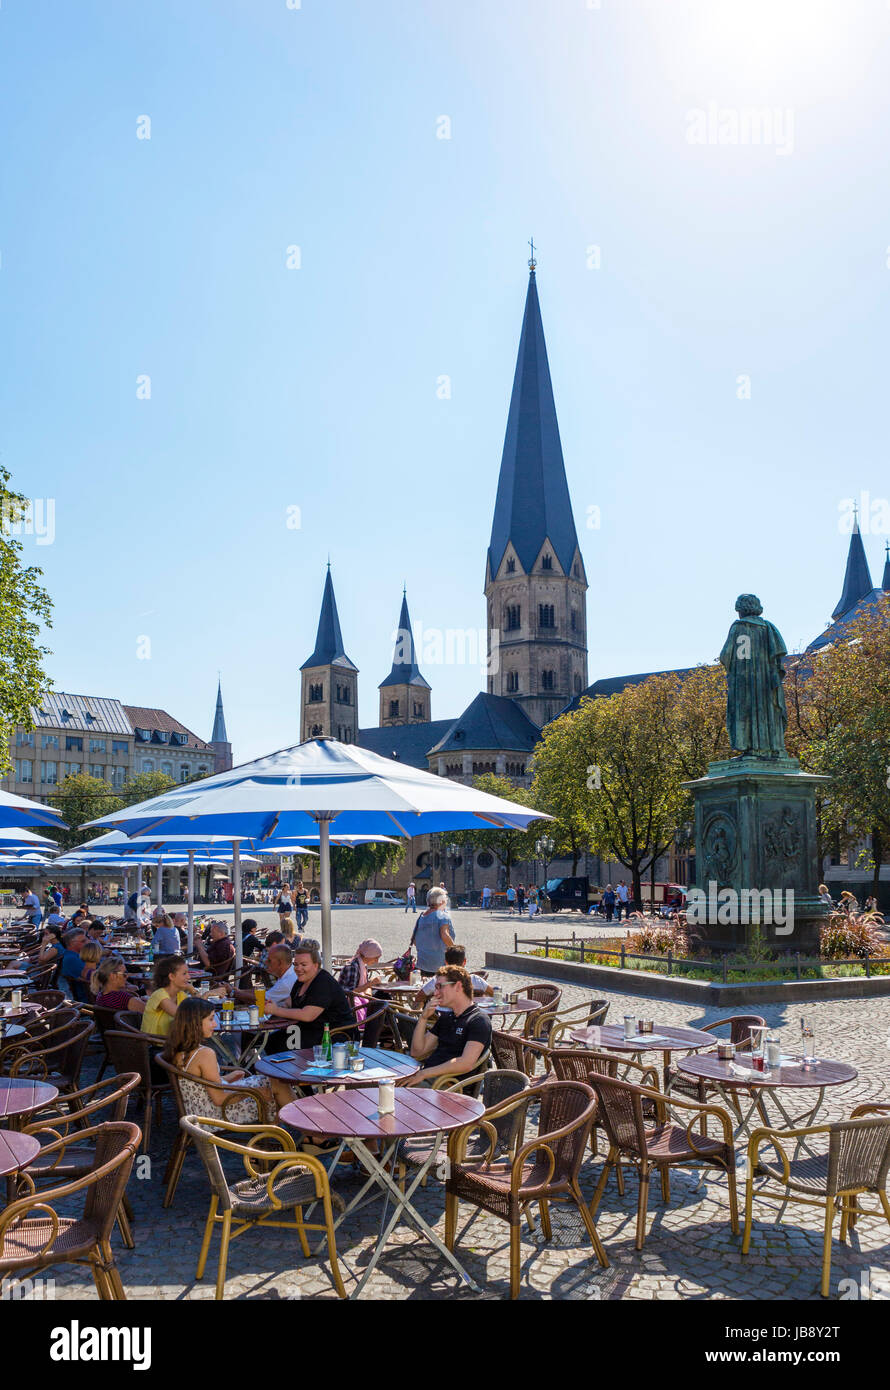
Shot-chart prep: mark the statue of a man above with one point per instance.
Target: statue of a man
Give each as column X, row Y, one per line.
column 752, row 654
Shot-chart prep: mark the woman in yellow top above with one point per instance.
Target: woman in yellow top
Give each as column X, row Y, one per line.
column 171, row 985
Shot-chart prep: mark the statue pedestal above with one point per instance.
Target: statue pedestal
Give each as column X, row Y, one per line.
column 755, row 855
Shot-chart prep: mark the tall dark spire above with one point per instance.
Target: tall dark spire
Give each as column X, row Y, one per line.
column 857, row 579
column 329, row 640
column 405, row 670
column 533, row 503
column 885, row 582
column 219, row 734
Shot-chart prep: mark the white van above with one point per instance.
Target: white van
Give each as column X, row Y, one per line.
column 382, row 897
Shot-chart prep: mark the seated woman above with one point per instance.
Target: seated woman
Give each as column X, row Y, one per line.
column 90, row 954
column 171, row 984
column 188, row 1048
column 108, row 984
column 316, row 999
column 359, row 984
column 51, row 947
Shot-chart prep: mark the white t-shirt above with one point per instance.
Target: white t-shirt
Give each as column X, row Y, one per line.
column 32, row 902
column 479, row 985
column 621, row 891
column 279, row 993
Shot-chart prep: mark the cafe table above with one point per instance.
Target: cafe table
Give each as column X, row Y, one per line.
column 233, row 1026
column 12, row 980
column 730, row 1078
column 352, row 1117
column 19, row 1095
column 666, row 1040
column 301, row 1068
column 16, row 1151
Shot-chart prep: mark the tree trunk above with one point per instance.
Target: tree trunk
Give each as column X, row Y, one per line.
column 652, row 885
column 636, row 885
column 877, row 849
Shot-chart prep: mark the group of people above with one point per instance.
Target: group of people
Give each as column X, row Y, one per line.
column 614, row 901
column 519, row 898
column 848, row 902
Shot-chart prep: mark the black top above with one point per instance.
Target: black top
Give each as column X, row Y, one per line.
column 251, row 945
column 452, row 1034
column 326, row 994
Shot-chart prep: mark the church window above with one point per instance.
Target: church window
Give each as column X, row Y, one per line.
column 393, row 709
column 316, row 731
column 418, row 710
column 342, row 694
column 514, row 617
column 546, row 680
column 577, row 684
column 512, row 681
column 574, row 619
column 485, row 860
column 511, row 565
column 316, row 692
column 576, row 570
column 547, row 562
column 546, row 616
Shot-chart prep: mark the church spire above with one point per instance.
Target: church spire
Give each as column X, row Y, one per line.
column 857, row 578
column 405, row 670
column 533, row 504
column 404, row 694
column 885, row 582
column 329, row 650
column 219, row 739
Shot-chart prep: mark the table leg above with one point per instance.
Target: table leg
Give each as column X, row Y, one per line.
column 402, row 1206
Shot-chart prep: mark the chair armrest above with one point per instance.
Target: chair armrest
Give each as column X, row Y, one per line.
column 773, row 1136
column 870, row 1107
column 457, row 1140
column 304, row 1161
column 23, row 1208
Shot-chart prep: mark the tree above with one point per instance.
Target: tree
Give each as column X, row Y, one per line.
column 144, row 786
column 24, row 604
column 357, row 863
column 80, row 799
column 559, row 789
column 700, row 720
column 509, row 847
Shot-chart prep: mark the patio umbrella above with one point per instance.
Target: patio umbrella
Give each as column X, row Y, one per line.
column 319, row 787
column 18, row 810
column 14, row 837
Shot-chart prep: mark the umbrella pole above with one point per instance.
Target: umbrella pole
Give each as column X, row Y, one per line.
column 159, row 883
column 191, row 919
column 236, row 881
column 324, row 869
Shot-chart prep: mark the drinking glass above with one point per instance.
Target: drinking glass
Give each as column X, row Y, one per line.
column 758, row 1036
column 319, row 1055
column 260, row 996
column 808, row 1057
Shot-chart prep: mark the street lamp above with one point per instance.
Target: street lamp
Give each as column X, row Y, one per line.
column 453, row 852
column 544, row 850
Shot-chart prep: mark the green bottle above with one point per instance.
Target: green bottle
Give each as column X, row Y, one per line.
column 326, row 1043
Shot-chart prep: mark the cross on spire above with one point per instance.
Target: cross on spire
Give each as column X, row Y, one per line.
column 533, row 262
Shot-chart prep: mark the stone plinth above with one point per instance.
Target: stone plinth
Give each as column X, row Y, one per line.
column 755, row 835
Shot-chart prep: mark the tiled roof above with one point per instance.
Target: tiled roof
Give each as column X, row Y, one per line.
column 88, row 714
column 158, row 720
column 409, row 742
column 490, row 721
column 611, row 685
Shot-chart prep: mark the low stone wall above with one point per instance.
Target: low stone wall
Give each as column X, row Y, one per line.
column 656, row 986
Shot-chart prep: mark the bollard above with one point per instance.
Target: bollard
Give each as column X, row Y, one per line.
column 621, row 967
column 547, row 947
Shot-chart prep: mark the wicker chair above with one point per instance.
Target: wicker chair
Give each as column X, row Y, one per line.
column 551, row 1028
column 739, row 1034
column 33, row 1242
column 50, row 999
column 103, row 1019
column 544, row 1169
column 56, row 1056
column 65, row 1157
column 492, row 1087
column 131, row 1052
column 43, row 977
column 131, row 1021
column 546, row 996
column 282, row 1181
column 857, row 1161
column 576, row 1064
column 511, row 1053
column 173, row 1171
column 663, row 1145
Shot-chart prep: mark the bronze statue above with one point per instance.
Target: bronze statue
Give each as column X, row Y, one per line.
column 752, row 654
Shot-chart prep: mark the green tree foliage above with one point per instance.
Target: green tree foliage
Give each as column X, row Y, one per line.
column 509, row 847
column 352, row 864
column 24, row 605
column 80, row 799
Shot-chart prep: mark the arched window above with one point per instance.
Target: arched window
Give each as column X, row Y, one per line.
column 512, row 681
column 546, row 680
column 547, row 562
column 546, row 616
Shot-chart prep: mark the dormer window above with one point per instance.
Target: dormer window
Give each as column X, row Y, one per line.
column 511, row 565
column 547, row 562
column 161, row 736
column 143, row 735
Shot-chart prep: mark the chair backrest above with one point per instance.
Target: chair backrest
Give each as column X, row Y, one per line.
column 116, row 1145
column 620, row 1109
column 508, row 1051
column 111, row 1094
column 597, row 1010
column 209, row 1152
column 403, row 1026
column 129, row 1020
column 740, row 1026
column 50, row 998
column 69, row 1053
column 502, row 1084
column 565, row 1103
column 548, row 995
column 576, row 1063
column 131, row 1052
column 859, row 1155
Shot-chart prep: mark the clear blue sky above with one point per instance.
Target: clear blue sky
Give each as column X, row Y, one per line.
column 317, row 388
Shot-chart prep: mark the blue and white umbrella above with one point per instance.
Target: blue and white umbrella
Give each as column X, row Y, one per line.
column 319, row 787
column 18, row 811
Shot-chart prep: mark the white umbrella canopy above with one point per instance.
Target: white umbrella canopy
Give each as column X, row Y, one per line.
column 18, row 811
column 319, row 787
column 15, row 837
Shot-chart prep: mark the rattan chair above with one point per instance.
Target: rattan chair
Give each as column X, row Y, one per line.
column 492, row 1087
column 56, row 1056
column 576, row 1064
column 275, row 1183
column 103, row 1019
column 31, row 1242
column 264, row 1116
column 740, row 1026
column 546, row 996
column 544, row 1169
column 512, row 1053
column 857, row 1161
column 131, row 1052
column 131, row 1021
column 661, row 1145
column 551, row 1028
column 50, row 999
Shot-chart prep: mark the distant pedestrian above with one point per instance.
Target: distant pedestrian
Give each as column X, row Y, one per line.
column 486, row 898
column 520, row 899
column 301, row 898
column 609, row 901
column 622, row 896
column 532, row 900
column 412, row 897
column 511, row 899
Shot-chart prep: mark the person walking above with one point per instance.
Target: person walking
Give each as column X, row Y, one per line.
column 486, row 898
column 301, row 898
column 511, row 898
column 412, row 897
column 621, row 895
column 609, row 901
column 433, row 933
column 532, row 900
column 520, row 899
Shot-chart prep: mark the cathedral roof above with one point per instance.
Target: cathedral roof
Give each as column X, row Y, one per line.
column 836, row 630
column 405, row 743
column 329, row 649
column 885, row 582
column 405, row 670
column 219, row 734
column 857, row 578
column 533, row 504
column 611, row 685
column 490, row 721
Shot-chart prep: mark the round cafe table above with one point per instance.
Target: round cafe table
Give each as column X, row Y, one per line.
column 666, row 1040
column 353, row 1118
column 299, row 1067
column 729, row 1078
column 16, row 1151
column 19, row 1096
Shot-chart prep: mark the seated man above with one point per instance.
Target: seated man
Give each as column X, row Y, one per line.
column 455, row 955
column 71, row 975
column 280, row 965
column 316, row 999
column 219, row 956
column 250, row 943
column 451, row 1043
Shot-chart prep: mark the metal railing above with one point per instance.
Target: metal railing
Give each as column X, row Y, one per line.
column 792, row 962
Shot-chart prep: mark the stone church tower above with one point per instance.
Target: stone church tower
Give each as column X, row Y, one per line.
column 404, row 695
column 535, row 583
column 329, row 695
column 219, row 739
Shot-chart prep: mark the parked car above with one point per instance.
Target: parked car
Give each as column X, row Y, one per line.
column 383, row 897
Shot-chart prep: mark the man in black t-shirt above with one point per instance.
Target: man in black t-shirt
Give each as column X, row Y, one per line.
column 316, row 999
column 450, row 1043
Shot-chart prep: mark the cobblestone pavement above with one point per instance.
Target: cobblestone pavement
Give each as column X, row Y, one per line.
column 689, row 1251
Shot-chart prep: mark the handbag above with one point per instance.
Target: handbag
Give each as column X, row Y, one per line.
column 403, row 965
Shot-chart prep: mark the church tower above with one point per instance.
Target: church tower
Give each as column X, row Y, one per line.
column 857, row 576
column 535, row 584
column 219, row 739
column 329, row 696
column 404, row 695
